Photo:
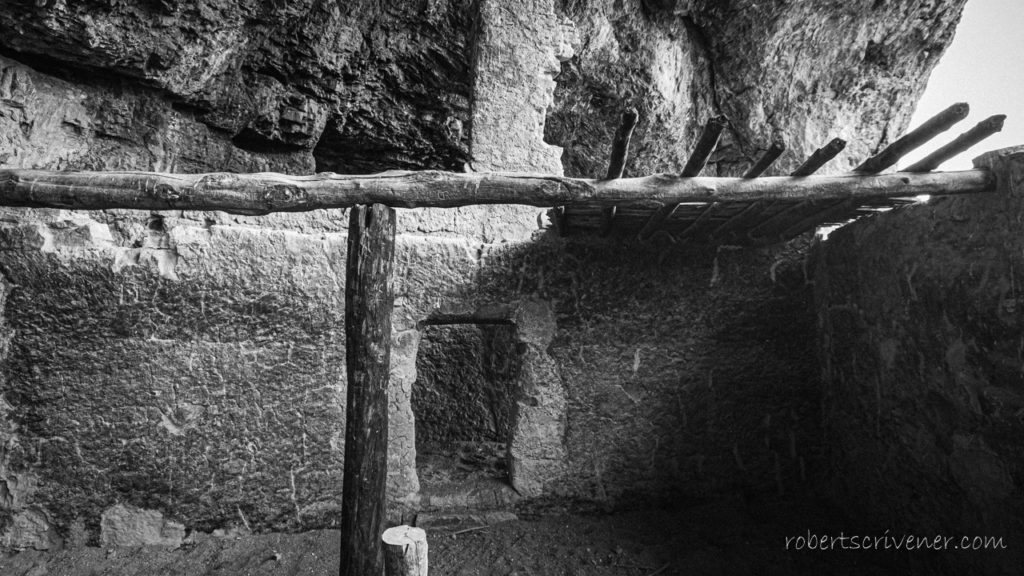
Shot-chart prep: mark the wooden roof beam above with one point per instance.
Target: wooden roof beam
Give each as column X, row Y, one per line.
column 617, row 163
column 264, row 193
column 961, row 143
column 706, row 144
column 914, row 139
column 775, row 149
column 820, row 157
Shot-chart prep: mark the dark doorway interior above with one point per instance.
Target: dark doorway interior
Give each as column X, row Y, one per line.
column 463, row 404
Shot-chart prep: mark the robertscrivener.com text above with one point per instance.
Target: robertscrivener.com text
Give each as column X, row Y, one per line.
column 887, row 541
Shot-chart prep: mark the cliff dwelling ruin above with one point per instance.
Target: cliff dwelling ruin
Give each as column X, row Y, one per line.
column 541, row 278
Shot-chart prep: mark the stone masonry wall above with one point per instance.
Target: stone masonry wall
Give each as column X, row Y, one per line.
column 191, row 363
column 921, row 349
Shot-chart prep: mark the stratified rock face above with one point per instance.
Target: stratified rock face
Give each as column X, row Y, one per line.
column 104, row 124
column 805, row 71
column 391, row 85
column 385, row 85
column 922, row 330
column 192, row 363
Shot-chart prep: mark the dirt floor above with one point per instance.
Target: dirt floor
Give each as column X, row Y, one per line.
column 716, row 538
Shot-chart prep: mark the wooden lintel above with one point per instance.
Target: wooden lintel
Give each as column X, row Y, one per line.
column 369, row 299
column 265, row 193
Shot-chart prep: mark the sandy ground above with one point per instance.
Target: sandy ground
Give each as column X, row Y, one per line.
column 719, row 538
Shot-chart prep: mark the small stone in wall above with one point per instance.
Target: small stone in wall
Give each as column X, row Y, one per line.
column 30, row 529
column 123, row 525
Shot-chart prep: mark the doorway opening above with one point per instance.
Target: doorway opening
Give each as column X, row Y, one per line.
column 463, row 402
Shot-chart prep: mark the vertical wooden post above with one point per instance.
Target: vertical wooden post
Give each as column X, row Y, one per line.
column 369, row 297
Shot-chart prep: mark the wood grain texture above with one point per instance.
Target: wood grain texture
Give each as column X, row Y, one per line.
column 405, row 551
column 369, row 299
column 914, row 139
column 264, row 193
column 961, row 143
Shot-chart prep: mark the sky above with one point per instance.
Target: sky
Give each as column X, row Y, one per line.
column 984, row 66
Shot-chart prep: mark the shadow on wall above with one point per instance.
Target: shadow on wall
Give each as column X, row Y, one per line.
column 686, row 371
column 921, row 343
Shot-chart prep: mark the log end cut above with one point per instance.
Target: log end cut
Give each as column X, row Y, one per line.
column 405, row 551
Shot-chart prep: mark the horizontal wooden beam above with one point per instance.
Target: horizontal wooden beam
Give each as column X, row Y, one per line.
column 702, row 151
column 263, row 193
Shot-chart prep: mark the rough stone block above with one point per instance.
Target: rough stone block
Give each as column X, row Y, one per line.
column 124, row 525
column 1008, row 166
column 30, row 529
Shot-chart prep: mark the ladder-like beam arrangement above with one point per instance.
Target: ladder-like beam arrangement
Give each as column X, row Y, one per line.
column 265, row 193
column 706, row 144
column 688, row 205
column 984, row 129
column 914, row 139
column 779, row 218
column 819, row 158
